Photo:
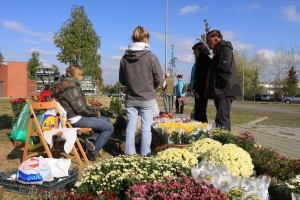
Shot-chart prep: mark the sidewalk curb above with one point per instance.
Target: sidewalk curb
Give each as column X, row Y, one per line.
column 257, row 120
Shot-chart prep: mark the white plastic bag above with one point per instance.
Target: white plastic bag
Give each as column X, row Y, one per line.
column 156, row 110
column 36, row 170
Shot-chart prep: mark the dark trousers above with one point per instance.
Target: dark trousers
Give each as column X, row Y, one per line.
column 223, row 107
column 179, row 108
column 200, row 109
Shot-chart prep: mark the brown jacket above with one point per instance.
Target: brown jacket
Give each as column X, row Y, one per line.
column 169, row 88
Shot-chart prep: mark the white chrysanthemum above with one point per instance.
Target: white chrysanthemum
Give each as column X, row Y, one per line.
column 178, row 155
column 200, row 147
column 235, row 158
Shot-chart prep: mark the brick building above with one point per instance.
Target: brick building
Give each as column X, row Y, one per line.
column 14, row 81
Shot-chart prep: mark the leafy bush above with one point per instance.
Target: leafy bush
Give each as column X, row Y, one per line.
column 269, row 162
column 178, row 155
column 224, row 136
column 167, row 146
column 17, row 106
column 244, row 140
column 201, row 147
column 184, row 187
column 116, row 107
column 117, row 174
column 235, row 158
column 63, row 195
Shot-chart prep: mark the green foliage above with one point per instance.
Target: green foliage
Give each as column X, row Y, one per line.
column 207, row 29
column 244, row 140
column 117, row 174
column 269, row 162
column 1, row 58
column 120, row 125
column 115, row 107
column 17, row 105
column 79, row 43
column 224, row 136
column 292, row 81
column 32, row 65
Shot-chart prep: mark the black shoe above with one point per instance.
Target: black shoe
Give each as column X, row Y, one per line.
column 90, row 145
column 90, row 155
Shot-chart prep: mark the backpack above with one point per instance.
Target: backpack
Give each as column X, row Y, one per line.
column 185, row 88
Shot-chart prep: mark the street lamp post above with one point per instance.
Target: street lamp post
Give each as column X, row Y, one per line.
column 166, row 38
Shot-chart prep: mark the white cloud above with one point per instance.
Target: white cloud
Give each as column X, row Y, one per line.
column 186, row 58
column 158, row 36
column 205, row 8
column 122, row 49
column 11, row 57
column 240, row 46
column 267, row 53
column 228, row 35
column 118, row 58
column 28, row 41
column 42, row 52
column 17, row 26
column 189, row 9
column 252, row 7
column 237, row 45
column 290, row 13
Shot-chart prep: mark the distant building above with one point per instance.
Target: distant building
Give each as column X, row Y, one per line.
column 88, row 87
column 45, row 76
column 14, row 81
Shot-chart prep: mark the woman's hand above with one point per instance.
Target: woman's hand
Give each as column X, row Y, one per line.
column 99, row 114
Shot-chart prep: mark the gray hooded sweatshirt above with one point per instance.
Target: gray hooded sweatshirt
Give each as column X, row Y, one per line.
column 141, row 73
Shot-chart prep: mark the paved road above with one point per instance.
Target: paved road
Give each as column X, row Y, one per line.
column 282, row 108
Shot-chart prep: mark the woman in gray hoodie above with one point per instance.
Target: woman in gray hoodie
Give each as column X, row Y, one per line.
column 141, row 73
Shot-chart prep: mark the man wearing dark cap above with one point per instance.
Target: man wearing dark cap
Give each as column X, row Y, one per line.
column 222, row 81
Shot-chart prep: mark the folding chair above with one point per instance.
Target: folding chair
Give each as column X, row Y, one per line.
column 82, row 130
column 42, row 106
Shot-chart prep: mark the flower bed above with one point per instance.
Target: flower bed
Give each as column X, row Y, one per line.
column 168, row 175
column 175, row 132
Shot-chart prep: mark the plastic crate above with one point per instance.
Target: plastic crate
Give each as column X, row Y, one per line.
column 56, row 185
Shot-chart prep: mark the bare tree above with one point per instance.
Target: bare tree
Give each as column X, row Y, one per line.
column 172, row 66
column 203, row 36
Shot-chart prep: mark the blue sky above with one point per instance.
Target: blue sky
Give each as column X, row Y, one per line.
column 27, row 25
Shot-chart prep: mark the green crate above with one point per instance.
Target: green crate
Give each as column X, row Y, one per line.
column 64, row 184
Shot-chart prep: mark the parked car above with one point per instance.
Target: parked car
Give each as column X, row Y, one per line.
column 293, row 99
column 116, row 94
column 257, row 97
column 267, row 97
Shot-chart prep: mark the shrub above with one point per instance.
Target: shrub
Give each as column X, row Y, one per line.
column 201, row 147
column 235, row 158
column 224, row 136
column 178, row 155
column 166, row 146
column 269, row 162
column 63, row 195
column 244, row 140
column 117, row 174
column 184, row 187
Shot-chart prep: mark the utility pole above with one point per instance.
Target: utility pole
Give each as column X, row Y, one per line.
column 166, row 38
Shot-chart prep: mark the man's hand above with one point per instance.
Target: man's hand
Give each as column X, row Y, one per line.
column 197, row 95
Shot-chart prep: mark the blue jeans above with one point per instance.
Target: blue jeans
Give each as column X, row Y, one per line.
column 146, row 114
column 102, row 130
